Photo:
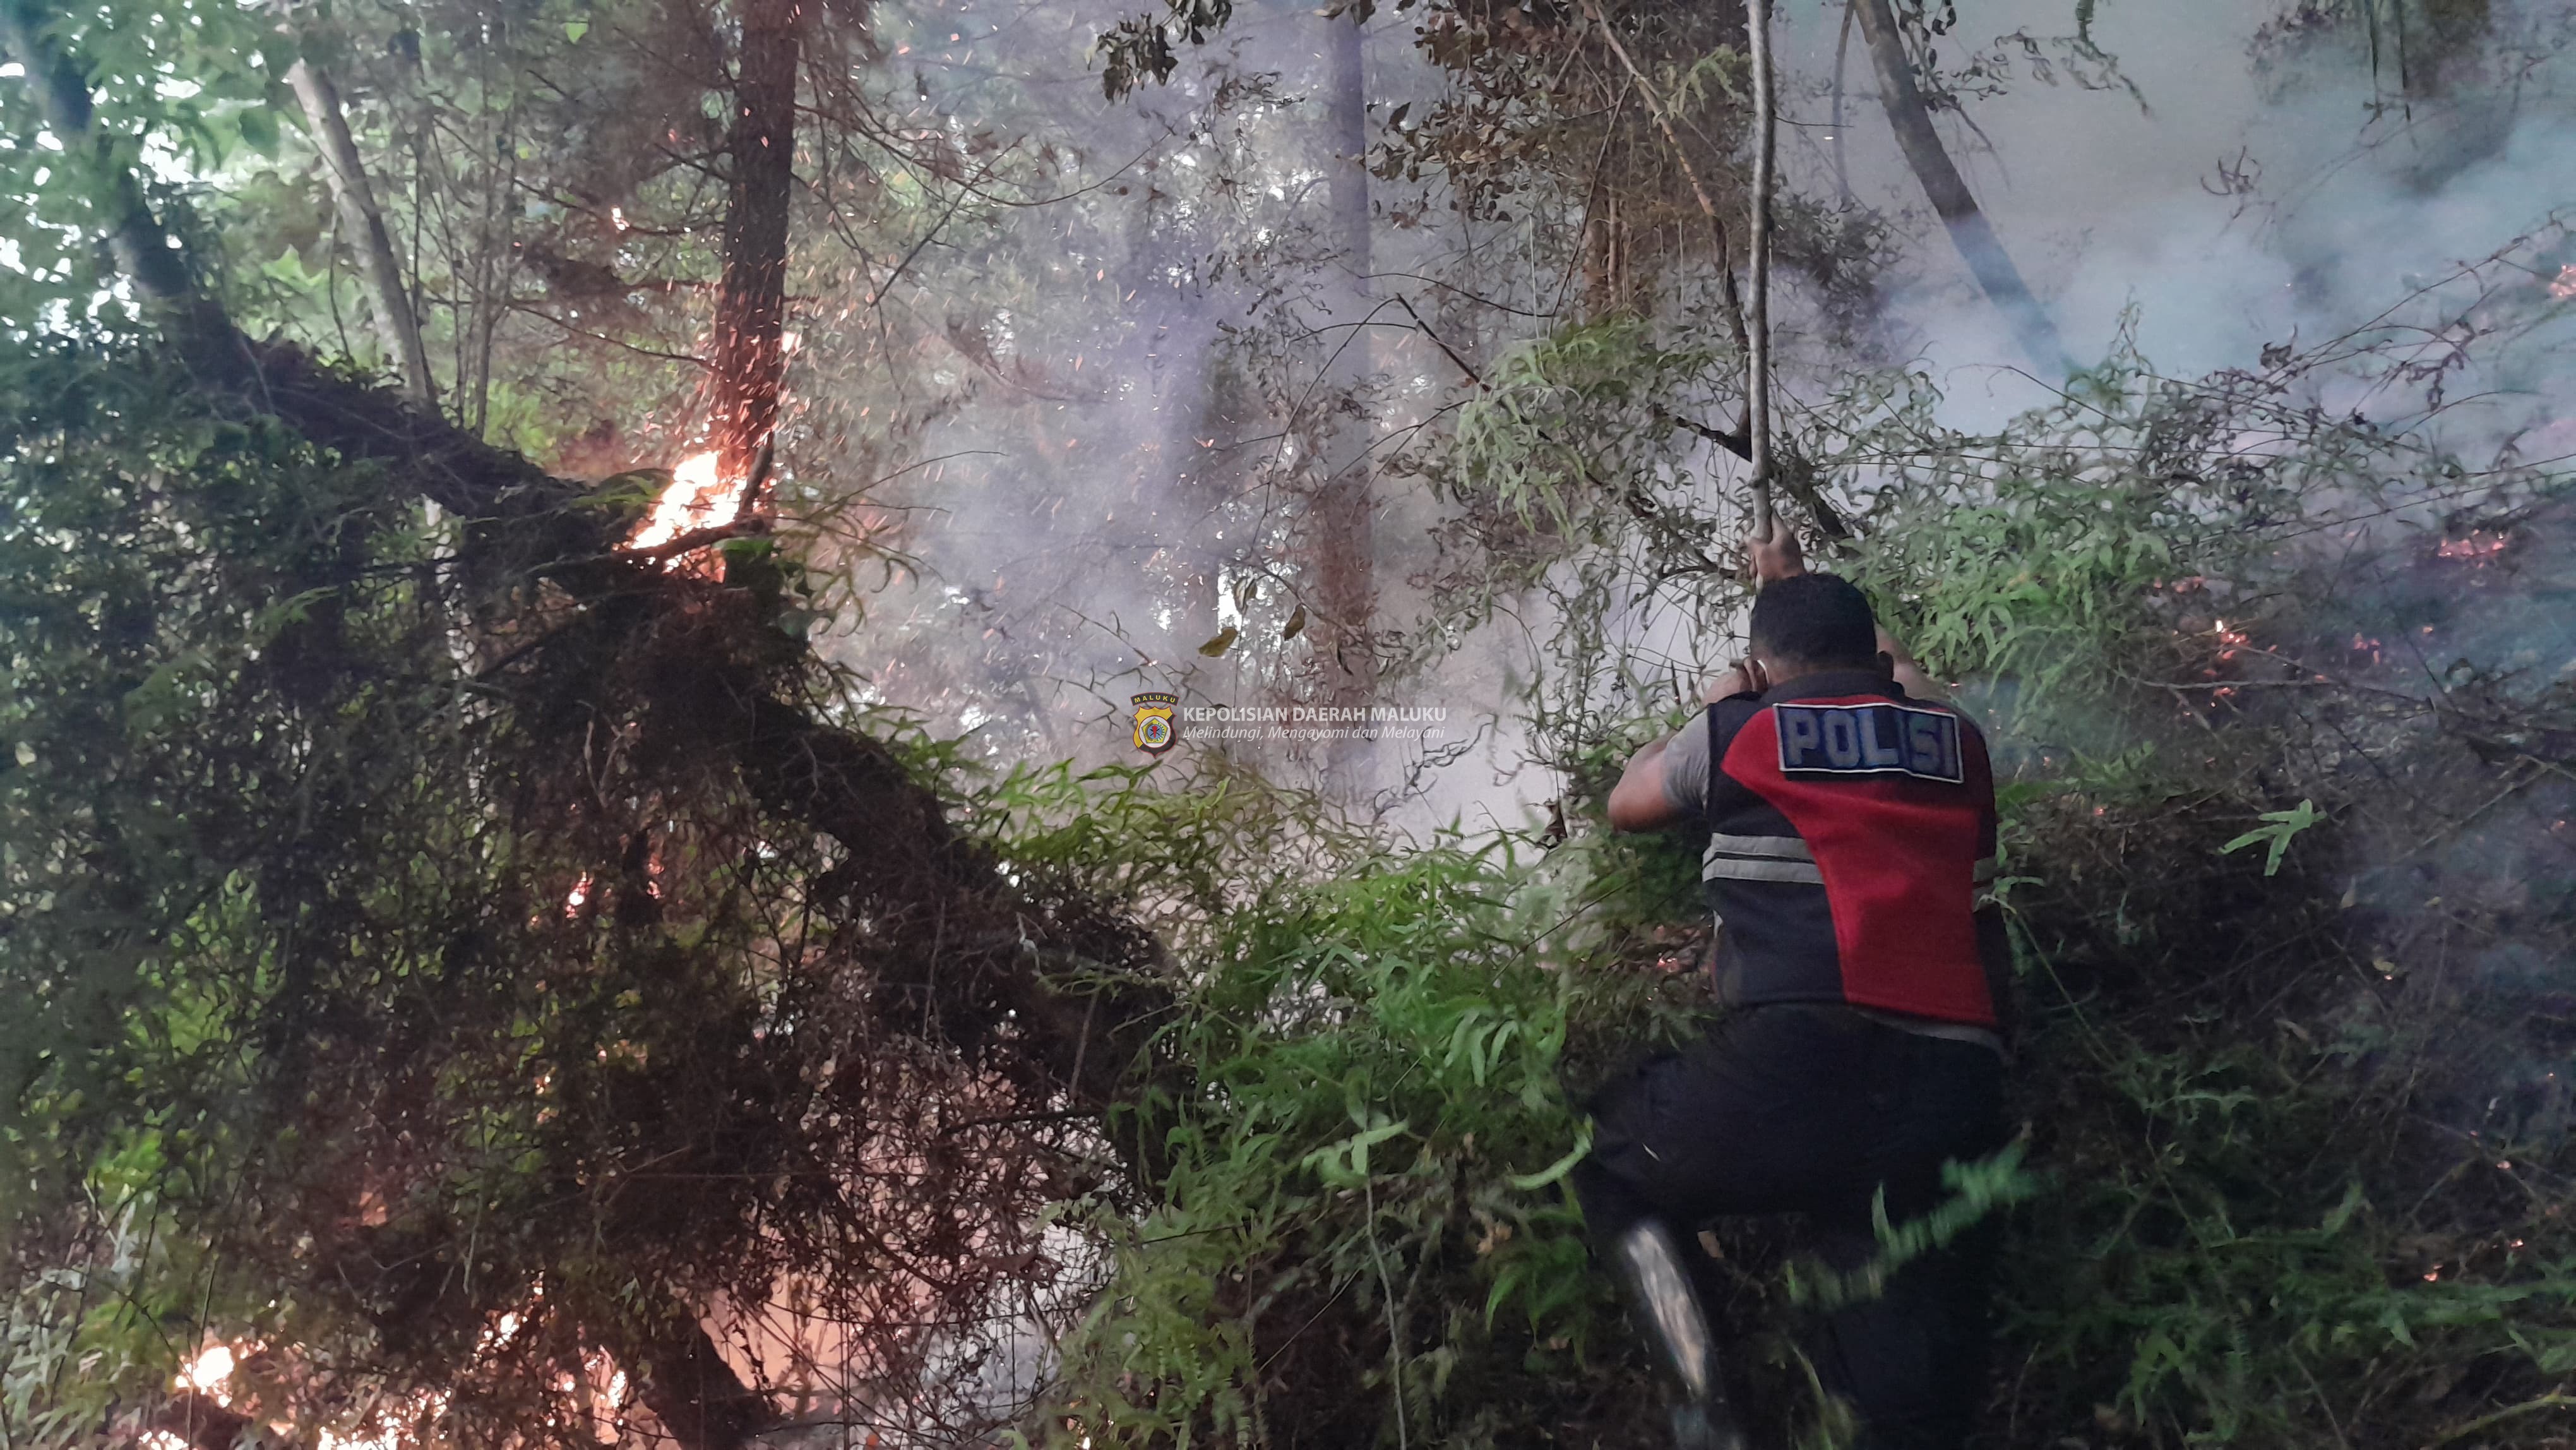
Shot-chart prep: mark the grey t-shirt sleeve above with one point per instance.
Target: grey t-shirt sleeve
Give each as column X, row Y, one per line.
column 1686, row 768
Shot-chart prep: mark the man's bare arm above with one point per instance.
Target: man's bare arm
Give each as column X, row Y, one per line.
column 1638, row 802
column 1909, row 670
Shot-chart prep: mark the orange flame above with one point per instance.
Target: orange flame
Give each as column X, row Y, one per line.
column 210, row 1373
column 695, row 500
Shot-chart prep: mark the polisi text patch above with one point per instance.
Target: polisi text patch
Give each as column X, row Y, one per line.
column 1877, row 738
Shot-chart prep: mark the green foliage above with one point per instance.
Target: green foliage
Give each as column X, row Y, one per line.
column 1580, row 412
column 2241, row 1246
column 2058, row 554
column 168, row 580
column 2204, row 1287
column 1370, row 1153
column 1978, row 1191
column 2278, row 830
column 191, row 84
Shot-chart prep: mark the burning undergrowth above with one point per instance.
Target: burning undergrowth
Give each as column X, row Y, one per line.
column 2290, row 898
column 495, row 972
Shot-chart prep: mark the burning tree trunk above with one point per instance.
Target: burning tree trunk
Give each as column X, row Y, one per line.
column 750, row 356
column 395, row 322
column 1985, row 256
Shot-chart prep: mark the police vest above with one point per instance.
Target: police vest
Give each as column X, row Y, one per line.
column 1850, row 827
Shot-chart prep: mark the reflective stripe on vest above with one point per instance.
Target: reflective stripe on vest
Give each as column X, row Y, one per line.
column 1759, row 858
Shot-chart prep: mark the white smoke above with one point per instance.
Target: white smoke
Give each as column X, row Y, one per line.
column 2275, row 186
column 2243, row 177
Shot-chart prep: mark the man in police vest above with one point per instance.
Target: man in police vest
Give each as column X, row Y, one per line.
column 1850, row 824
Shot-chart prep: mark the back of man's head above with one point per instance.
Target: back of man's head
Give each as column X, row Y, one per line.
column 1815, row 619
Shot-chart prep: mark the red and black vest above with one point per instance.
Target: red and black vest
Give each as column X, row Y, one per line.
column 1850, row 828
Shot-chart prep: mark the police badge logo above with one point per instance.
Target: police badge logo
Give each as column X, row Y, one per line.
column 1156, row 731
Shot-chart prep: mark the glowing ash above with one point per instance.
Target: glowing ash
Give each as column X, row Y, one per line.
column 2477, row 548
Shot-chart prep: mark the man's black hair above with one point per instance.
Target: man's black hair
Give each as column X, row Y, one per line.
column 1818, row 619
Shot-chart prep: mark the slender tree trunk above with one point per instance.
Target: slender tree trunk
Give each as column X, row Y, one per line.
column 750, row 358
column 395, row 324
column 1345, row 506
column 1189, row 373
column 1985, row 256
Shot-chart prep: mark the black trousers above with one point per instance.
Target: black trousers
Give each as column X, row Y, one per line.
column 1816, row 1109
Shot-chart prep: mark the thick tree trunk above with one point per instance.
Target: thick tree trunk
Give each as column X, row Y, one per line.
column 391, row 303
column 1985, row 256
column 750, row 357
column 696, row 1395
column 1345, row 507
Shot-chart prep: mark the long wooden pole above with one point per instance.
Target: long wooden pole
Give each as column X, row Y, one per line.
column 1757, row 378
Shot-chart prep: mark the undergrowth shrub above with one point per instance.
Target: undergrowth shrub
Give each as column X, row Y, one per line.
column 2258, row 1234
column 1362, row 1217
column 1361, row 1232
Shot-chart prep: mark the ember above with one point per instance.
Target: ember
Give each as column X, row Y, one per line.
column 2477, row 548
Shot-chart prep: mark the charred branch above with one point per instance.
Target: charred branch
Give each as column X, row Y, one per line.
column 1969, row 231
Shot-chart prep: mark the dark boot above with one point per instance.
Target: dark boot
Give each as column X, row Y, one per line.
column 1657, row 1278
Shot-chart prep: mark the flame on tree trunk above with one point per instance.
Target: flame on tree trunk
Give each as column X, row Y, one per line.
column 750, row 355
